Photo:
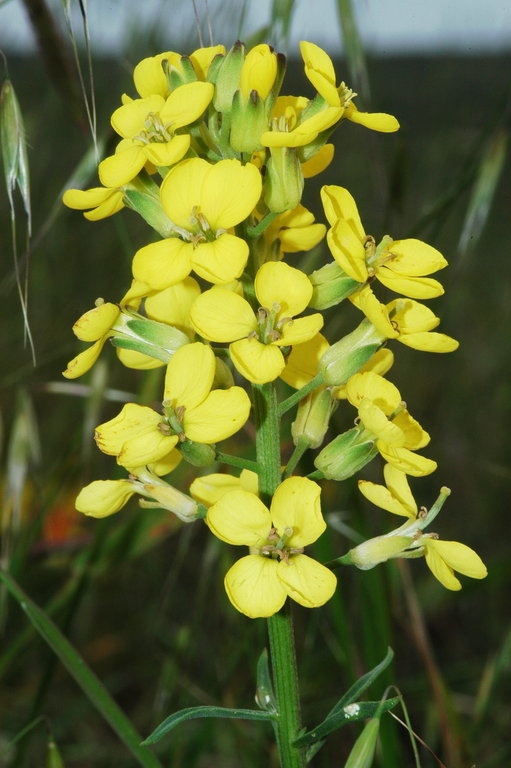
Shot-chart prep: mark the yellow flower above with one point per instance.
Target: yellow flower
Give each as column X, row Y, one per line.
column 150, row 78
column 395, row 496
column 445, row 557
column 382, row 413
column 258, row 72
column 258, row 584
column 286, row 127
column 209, row 489
column 102, row 201
column 405, row 320
column 204, row 202
column 321, row 73
column 148, row 127
column 223, row 316
column 400, row 265
column 138, row 435
column 95, row 326
column 291, row 232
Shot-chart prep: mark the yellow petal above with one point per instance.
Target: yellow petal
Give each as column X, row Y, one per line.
column 382, row 497
column 146, row 448
column 121, row 168
column 406, row 461
column 84, row 361
column 259, row 71
column 230, row 193
column 459, row 557
column 221, row 315
column 306, row 581
column 318, row 162
column 133, row 359
column 296, row 504
column 440, row 569
column 163, row 263
column 209, row 489
column 397, row 484
column 186, row 104
column 181, row 190
column 104, row 497
column 149, row 76
column 190, row 375
column 167, row 463
column 240, row 517
column 375, row 311
column 253, row 587
column 173, row 304
column 96, row 322
column 257, row 362
column 303, row 362
column 429, row 342
column 202, row 58
column 300, row 330
column 220, row 415
column 415, row 436
column 415, row 287
column 112, row 205
column 129, row 120
column 129, row 423
column 81, row 199
column 169, row 152
column 375, row 121
column 413, row 258
column 375, row 420
column 289, row 288
column 338, row 203
column 222, row 260
column 375, row 388
column 411, row 316
column 348, row 250
column 297, row 239
column 320, row 71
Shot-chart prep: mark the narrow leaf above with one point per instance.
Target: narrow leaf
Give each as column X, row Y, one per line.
column 194, row 713
column 86, row 679
column 362, row 683
column 362, row 710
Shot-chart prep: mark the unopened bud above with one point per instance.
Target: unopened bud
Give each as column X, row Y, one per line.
column 228, row 78
column 197, row 454
column 283, row 185
column 346, row 357
column 346, row 454
column 330, row 286
column 312, row 418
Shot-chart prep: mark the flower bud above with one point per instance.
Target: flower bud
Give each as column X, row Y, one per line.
column 150, row 337
column 330, row 286
column 378, row 550
column 345, row 358
column 346, row 454
column 312, row 418
column 258, row 72
column 198, row 454
column 170, row 498
column 283, row 184
column 228, row 78
column 249, row 120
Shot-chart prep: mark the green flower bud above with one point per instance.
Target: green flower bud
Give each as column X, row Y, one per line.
column 312, row 417
column 197, row 454
column 283, row 184
column 330, row 286
column 228, row 78
column 249, row 120
column 346, row 357
column 346, row 454
column 150, row 337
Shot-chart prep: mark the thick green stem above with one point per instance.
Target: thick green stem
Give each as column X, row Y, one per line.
column 280, row 626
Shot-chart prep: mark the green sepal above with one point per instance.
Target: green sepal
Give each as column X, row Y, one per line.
column 194, row 713
column 346, row 454
column 159, row 334
column 197, row 454
column 177, row 77
column 283, row 184
column 347, row 356
column 149, row 208
column 331, row 285
column 228, row 78
column 265, row 695
column 136, row 345
column 214, row 68
column 249, row 120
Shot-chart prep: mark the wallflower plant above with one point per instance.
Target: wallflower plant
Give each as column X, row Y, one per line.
column 213, row 157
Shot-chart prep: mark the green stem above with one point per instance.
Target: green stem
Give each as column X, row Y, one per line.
column 296, row 456
column 280, row 626
column 295, row 398
column 259, row 228
column 237, row 461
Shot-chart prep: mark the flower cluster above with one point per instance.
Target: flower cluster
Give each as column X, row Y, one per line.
column 214, row 159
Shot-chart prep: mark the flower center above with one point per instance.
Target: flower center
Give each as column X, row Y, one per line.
column 172, row 422
column 276, row 547
column 346, row 95
column 269, row 326
column 155, row 131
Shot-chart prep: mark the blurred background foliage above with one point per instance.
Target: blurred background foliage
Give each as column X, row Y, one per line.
column 140, row 595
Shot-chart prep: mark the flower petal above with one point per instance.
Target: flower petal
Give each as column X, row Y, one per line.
column 382, row 497
column 163, row 263
column 338, row 203
column 429, row 342
column 299, row 330
column 397, row 484
column 253, row 587
column 440, row 569
column 296, row 504
column 375, row 121
column 306, row 581
column 257, row 362
column 406, row 461
column 220, row 415
column 375, row 388
column 348, row 250
column 221, row 315
column 132, row 421
column 318, row 162
column 129, row 120
column 119, row 169
column 169, row 152
column 222, row 260
column 209, row 489
column 96, row 322
column 460, row 557
column 81, row 199
column 173, row 304
column 413, row 258
column 138, row 360
column 181, row 190
column 104, row 497
column 414, row 287
column 240, row 517
column 190, row 375
column 230, row 193
column 186, row 104
column 112, row 205
column 84, row 361
column 278, row 283
column 375, row 420
column 303, row 362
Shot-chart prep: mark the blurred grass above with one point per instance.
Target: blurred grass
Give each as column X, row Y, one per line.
column 140, row 596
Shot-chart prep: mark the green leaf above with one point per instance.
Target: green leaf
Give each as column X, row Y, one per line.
column 194, row 713
column 86, row 679
column 361, row 710
column 362, row 683
column 265, row 695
